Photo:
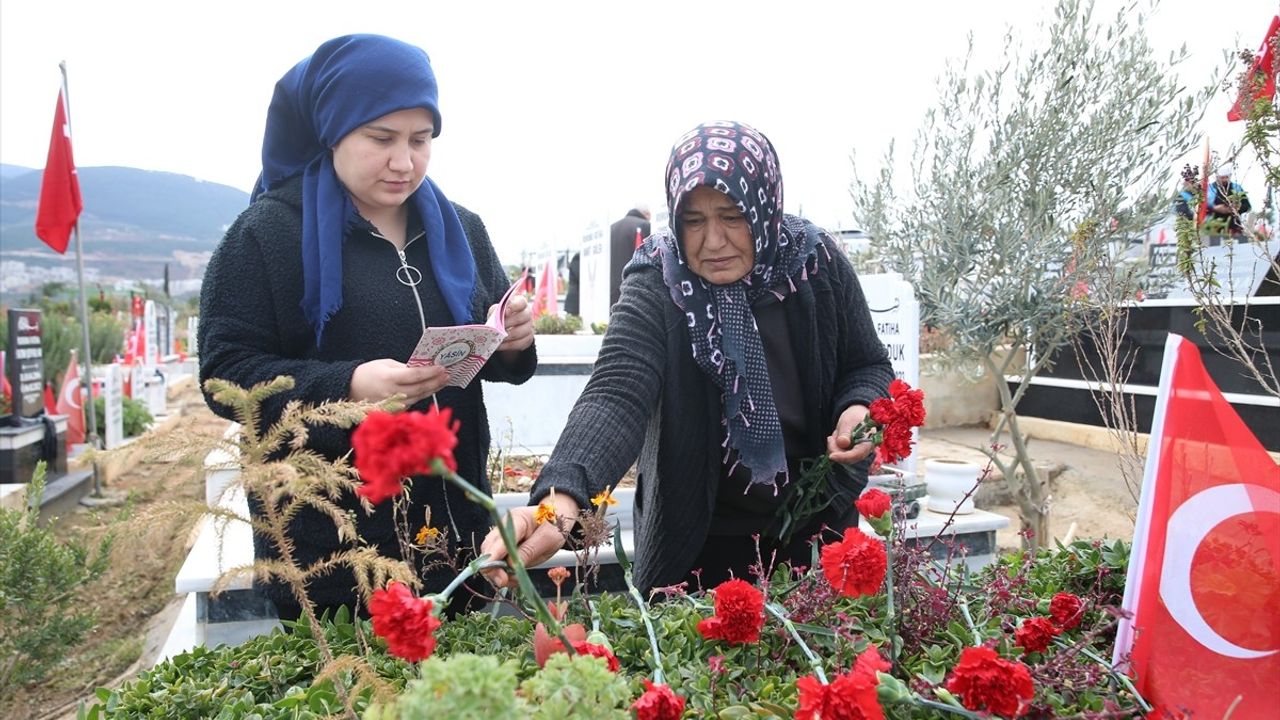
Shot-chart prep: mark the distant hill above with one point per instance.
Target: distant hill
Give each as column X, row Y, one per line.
column 11, row 170
column 134, row 221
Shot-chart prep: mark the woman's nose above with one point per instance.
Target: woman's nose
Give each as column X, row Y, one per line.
column 401, row 159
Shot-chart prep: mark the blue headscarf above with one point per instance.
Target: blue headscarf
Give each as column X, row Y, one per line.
column 740, row 162
column 348, row 82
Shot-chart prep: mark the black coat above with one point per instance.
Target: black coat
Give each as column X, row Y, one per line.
column 647, row 398
column 252, row 329
column 622, row 245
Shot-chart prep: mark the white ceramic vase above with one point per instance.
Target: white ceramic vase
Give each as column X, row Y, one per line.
column 948, row 481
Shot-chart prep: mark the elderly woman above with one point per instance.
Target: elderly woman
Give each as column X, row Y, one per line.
column 345, row 254
column 740, row 346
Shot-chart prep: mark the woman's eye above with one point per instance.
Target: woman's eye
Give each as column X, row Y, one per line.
column 732, row 219
column 693, row 222
column 381, row 139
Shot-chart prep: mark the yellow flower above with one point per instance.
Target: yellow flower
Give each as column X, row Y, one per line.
column 545, row 513
column 604, row 498
column 426, row 534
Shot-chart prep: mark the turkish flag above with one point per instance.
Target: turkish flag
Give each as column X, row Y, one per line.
column 69, row 403
column 1204, row 573
column 639, row 239
column 4, row 380
column 1262, row 72
column 1203, row 211
column 60, row 202
column 50, row 405
column 544, row 298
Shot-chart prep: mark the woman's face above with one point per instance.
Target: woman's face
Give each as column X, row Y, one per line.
column 716, row 236
column 382, row 162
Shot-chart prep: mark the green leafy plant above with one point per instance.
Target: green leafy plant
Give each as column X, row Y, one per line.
column 135, row 416
column 41, row 618
column 556, row 325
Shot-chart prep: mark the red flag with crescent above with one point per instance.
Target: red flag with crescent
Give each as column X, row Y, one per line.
column 1262, row 73
column 1204, row 573
column 69, row 403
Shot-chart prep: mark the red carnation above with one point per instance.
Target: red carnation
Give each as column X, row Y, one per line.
column 405, row 621
column 896, row 444
column 985, row 681
column 882, row 411
column 850, row 696
column 739, row 613
column 390, row 447
column 585, row 648
column 659, row 702
column 1035, row 634
column 855, row 565
column 908, row 403
column 1066, row 610
column 874, row 503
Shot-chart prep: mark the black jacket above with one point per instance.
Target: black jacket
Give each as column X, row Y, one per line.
column 648, row 399
column 622, row 245
column 252, row 329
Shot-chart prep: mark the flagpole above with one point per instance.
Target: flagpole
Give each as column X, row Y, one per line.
column 86, row 379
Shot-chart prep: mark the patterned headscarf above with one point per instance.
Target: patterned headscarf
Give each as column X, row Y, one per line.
column 740, row 162
column 346, row 83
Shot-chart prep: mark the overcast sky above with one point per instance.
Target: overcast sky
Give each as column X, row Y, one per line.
column 554, row 114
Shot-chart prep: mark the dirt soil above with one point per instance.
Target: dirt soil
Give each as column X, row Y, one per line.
column 136, row 605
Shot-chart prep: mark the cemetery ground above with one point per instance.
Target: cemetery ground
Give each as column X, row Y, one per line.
column 135, row 604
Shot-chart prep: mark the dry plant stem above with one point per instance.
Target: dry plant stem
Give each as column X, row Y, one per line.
column 1119, row 677
column 814, row 662
column 524, row 582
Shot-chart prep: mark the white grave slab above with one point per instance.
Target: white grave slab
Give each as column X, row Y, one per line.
column 896, row 314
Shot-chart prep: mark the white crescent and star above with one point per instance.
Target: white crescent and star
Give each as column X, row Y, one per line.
column 69, row 392
column 1187, row 528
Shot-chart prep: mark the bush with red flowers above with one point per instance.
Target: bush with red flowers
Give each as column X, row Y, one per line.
column 877, row 628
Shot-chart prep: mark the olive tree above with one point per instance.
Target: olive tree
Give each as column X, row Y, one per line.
column 1025, row 176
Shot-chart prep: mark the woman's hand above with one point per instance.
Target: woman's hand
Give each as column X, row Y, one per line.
column 535, row 542
column 378, row 380
column 519, row 324
column 838, row 444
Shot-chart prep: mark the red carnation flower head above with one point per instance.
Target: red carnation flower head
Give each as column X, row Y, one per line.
column 908, row 403
column 1067, row 610
column 390, row 447
column 404, row 621
column 883, row 411
column 659, row 702
column 856, row 565
column 1035, row 634
column 739, row 613
column 849, row 696
column 874, row 503
column 896, row 444
column 588, row 648
column 985, row 681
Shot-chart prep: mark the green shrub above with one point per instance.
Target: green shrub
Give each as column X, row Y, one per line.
column 466, row 687
column 556, row 325
column 41, row 618
column 136, row 416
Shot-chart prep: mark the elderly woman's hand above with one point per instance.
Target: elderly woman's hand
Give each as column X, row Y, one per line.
column 519, row 324
column 838, row 444
column 536, row 542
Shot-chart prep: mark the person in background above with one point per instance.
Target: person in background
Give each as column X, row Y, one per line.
column 1186, row 204
column 345, row 254
column 1228, row 203
column 622, row 244
column 741, row 346
column 572, row 303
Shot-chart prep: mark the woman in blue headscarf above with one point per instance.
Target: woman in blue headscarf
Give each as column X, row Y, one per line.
column 740, row 346
column 346, row 252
